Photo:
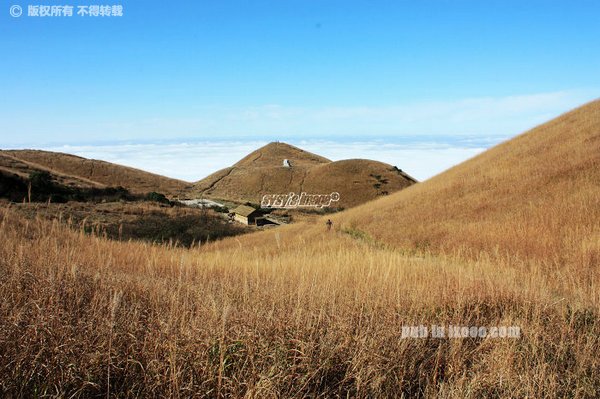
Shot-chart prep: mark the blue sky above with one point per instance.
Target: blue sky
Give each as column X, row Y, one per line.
column 294, row 70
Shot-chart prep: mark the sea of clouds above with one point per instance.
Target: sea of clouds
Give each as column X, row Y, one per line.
column 192, row 161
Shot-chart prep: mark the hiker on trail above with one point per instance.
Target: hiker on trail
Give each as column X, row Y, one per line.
column 329, row 223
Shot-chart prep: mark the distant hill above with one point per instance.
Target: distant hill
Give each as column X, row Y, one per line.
column 262, row 172
column 74, row 171
column 10, row 164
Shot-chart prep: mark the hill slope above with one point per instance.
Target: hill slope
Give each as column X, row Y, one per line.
column 82, row 172
column 12, row 165
column 261, row 172
column 533, row 196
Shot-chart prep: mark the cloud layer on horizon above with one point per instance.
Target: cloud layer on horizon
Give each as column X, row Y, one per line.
column 194, row 161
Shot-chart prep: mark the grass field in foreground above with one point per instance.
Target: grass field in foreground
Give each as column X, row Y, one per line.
column 314, row 314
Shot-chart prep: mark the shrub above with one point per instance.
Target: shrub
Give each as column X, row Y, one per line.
column 157, row 197
column 41, row 180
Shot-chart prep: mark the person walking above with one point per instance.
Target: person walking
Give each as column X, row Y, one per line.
column 329, row 223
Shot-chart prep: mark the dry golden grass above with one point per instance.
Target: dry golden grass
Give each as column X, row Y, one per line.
column 302, row 312
column 125, row 221
column 308, row 314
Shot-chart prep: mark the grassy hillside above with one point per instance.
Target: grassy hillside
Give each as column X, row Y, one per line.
column 15, row 167
column 536, row 196
column 300, row 311
column 91, row 172
column 261, row 172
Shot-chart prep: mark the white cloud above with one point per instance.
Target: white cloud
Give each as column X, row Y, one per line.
column 194, row 161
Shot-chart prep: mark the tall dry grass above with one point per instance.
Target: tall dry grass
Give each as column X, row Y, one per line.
column 309, row 313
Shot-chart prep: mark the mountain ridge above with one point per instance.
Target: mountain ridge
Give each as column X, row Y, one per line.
column 262, row 172
column 84, row 172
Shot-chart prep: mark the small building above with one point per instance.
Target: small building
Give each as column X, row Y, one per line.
column 287, row 163
column 246, row 214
